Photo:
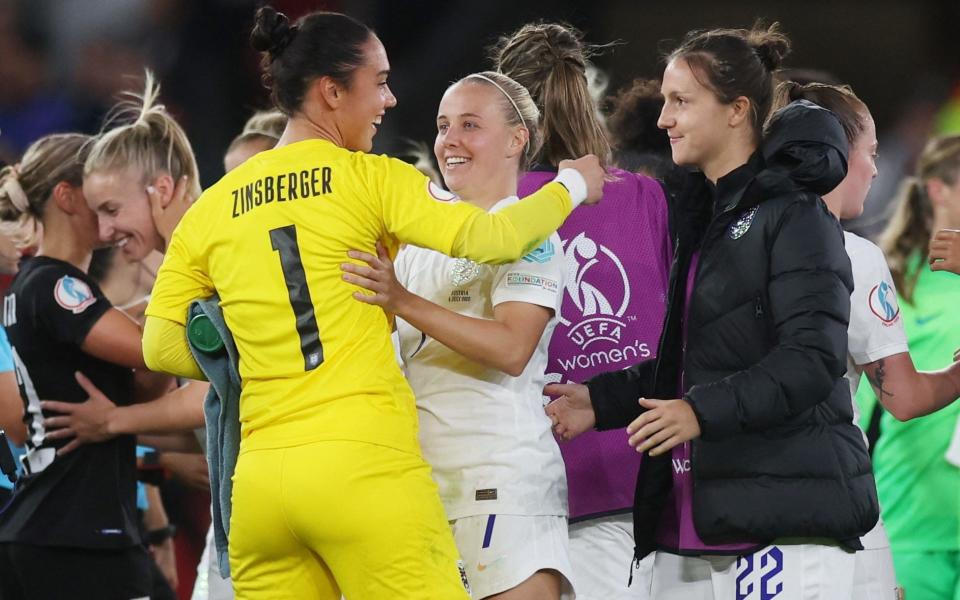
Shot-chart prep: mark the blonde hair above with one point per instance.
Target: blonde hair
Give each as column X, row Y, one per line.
column 517, row 106
column 551, row 61
column 149, row 139
column 264, row 125
column 911, row 226
column 26, row 187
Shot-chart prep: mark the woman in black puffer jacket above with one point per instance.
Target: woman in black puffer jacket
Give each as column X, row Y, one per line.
column 754, row 452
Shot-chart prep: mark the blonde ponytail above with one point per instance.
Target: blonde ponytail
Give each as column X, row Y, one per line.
column 551, row 61
column 149, row 140
column 911, row 227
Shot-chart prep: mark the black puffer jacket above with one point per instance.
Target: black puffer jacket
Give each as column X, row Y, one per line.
column 766, row 345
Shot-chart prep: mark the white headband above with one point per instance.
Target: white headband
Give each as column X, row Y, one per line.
column 15, row 191
column 503, row 91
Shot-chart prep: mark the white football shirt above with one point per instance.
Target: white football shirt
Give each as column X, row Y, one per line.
column 484, row 432
column 875, row 330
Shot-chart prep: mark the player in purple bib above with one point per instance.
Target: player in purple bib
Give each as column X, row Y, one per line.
column 617, row 263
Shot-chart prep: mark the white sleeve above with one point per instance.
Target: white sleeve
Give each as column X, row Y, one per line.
column 537, row 278
column 876, row 328
column 401, row 265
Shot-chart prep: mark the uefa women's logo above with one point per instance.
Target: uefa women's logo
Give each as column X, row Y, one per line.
column 883, row 303
column 599, row 311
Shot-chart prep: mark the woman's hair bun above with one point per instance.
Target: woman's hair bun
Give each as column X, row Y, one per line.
column 272, row 31
column 770, row 44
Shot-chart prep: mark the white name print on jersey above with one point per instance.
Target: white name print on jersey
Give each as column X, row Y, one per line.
column 883, row 303
column 73, row 294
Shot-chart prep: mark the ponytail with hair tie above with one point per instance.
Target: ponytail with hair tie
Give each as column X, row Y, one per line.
column 550, row 60
column 15, row 191
column 908, row 233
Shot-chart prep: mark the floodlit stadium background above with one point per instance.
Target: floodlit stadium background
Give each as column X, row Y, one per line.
column 62, row 62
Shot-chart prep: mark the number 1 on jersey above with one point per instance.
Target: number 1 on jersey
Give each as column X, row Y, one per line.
column 284, row 241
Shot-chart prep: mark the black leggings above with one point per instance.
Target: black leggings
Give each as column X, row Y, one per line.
column 49, row 573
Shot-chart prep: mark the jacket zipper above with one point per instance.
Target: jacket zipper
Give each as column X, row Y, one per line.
column 707, row 239
column 758, row 309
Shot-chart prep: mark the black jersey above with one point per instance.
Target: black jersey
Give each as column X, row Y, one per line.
column 86, row 498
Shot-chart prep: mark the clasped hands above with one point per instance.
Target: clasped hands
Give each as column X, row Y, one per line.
column 662, row 426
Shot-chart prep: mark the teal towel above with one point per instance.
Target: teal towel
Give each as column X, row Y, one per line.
column 222, row 412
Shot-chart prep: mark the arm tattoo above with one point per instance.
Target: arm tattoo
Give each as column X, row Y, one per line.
column 877, row 380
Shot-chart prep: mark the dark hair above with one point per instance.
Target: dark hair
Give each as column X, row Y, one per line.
column 736, row 62
column 838, row 99
column 551, row 60
column 639, row 144
column 319, row 44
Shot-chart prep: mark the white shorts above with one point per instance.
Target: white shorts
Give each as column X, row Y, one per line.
column 777, row 572
column 601, row 551
column 502, row 551
column 209, row 585
column 873, row 575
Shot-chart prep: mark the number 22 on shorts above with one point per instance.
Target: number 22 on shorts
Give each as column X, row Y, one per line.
column 769, row 568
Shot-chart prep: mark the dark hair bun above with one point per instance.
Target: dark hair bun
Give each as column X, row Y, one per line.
column 770, row 45
column 272, row 31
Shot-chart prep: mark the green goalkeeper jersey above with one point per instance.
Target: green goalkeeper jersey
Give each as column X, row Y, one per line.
column 919, row 489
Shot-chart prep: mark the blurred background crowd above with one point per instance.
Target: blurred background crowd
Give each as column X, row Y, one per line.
column 63, row 62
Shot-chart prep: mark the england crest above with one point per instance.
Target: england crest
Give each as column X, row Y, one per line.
column 741, row 225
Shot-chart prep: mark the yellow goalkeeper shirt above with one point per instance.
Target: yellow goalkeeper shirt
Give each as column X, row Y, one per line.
column 269, row 238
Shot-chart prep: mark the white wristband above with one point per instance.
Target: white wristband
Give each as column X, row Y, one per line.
column 575, row 184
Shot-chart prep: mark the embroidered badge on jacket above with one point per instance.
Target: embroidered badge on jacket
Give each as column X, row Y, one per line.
column 741, row 225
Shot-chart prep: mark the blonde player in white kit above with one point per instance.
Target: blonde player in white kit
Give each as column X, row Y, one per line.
column 474, row 340
column 877, row 344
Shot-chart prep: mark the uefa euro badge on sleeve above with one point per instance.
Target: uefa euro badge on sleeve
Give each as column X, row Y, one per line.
column 73, row 294
column 202, row 334
column 741, row 225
